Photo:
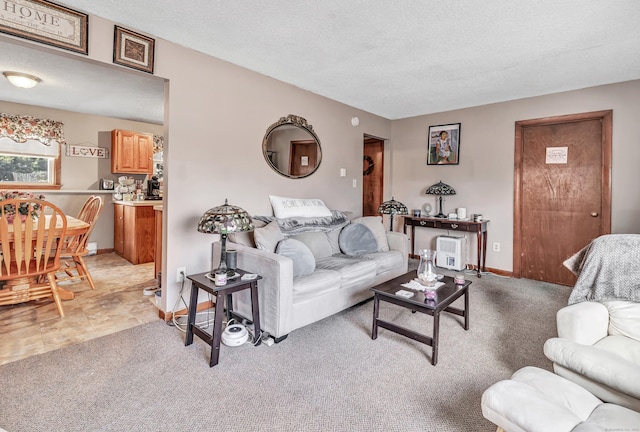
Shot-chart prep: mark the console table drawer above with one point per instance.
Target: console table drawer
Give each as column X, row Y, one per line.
column 450, row 225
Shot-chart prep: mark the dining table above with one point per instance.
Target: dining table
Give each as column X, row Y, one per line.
column 75, row 226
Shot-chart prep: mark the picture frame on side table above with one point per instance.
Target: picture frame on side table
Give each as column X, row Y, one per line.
column 133, row 50
column 443, row 144
column 46, row 22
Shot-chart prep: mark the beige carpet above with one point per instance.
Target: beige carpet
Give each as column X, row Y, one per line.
column 328, row 376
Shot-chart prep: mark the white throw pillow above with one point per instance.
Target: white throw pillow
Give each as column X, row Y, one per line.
column 296, row 207
column 267, row 238
column 374, row 223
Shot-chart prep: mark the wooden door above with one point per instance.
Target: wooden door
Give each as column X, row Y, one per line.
column 562, row 192
column 372, row 176
column 303, row 157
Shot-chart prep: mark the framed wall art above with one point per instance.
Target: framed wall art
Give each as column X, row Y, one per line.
column 133, row 50
column 46, row 22
column 444, row 144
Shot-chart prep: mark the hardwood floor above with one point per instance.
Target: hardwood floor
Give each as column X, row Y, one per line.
column 116, row 304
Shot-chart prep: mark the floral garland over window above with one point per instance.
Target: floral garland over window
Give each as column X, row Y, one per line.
column 23, row 128
column 158, row 143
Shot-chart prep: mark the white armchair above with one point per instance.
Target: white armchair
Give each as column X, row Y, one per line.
column 598, row 347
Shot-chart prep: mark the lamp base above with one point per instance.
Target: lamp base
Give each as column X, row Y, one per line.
column 440, row 214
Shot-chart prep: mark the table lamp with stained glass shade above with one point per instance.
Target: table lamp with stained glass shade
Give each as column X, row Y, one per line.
column 223, row 220
column 440, row 189
column 392, row 208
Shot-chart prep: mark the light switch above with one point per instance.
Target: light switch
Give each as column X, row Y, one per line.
column 343, row 172
column 355, row 183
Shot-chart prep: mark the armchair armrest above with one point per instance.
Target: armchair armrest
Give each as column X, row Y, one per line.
column 275, row 289
column 585, row 323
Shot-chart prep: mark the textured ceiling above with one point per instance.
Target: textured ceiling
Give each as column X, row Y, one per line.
column 405, row 58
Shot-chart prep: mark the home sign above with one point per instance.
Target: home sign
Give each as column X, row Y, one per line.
column 90, row 152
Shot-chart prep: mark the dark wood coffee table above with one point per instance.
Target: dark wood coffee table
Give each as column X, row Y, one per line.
column 445, row 295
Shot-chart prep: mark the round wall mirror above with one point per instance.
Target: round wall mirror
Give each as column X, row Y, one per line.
column 292, row 148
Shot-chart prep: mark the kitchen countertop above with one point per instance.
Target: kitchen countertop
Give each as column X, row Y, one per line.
column 139, row 203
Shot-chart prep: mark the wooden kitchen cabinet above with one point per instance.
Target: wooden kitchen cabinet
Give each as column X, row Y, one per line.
column 131, row 152
column 118, row 229
column 134, row 232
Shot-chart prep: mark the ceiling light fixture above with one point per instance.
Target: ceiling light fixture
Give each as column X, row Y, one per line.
column 21, row 80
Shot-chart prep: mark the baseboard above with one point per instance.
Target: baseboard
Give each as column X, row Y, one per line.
column 168, row 316
column 104, row 251
column 499, row 272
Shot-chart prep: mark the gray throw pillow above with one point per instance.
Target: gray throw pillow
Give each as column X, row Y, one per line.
column 304, row 262
column 267, row 238
column 356, row 239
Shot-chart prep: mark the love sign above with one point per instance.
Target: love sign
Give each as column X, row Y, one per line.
column 90, row 152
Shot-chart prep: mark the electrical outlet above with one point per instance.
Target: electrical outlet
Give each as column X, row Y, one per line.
column 496, row 247
column 181, row 273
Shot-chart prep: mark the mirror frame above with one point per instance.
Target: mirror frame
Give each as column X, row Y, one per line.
column 300, row 122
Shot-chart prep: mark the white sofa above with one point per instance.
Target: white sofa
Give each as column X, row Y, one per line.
column 288, row 302
column 599, row 348
column 536, row 400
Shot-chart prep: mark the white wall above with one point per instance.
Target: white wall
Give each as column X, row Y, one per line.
column 484, row 178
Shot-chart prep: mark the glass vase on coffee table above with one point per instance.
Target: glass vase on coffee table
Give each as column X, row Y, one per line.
column 427, row 274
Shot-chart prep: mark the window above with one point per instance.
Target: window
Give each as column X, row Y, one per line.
column 29, row 152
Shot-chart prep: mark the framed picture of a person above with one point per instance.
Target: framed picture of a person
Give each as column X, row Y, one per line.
column 443, row 144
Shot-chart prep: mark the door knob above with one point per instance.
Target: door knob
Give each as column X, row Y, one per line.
column 594, row 214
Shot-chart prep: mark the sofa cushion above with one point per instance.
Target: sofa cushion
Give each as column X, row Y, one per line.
column 304, row 263
column 386, row 261
column 356, row 239
column 245, row 238
column 317, row 283
column 296, row 207
column 317, row 242
column 353, row 271
column 268, row 237
column 625, row 347
column 333, row 237
column 374, row 223
column 624, row 318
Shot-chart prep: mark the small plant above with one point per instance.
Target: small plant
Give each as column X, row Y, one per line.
column 23, row 208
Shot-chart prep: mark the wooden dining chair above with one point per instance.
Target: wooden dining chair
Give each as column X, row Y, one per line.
column 30, row 233
column 75, row 247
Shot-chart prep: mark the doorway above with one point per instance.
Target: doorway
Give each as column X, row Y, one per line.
column 303, row 158
column 372, row 175
column 562, row 191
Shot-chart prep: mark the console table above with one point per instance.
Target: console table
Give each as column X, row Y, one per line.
column 480, row 228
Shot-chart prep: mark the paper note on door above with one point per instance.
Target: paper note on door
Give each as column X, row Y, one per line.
column 304, row 161
column 557, row 155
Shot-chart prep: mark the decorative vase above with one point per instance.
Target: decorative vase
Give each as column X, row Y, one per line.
column 427, row 274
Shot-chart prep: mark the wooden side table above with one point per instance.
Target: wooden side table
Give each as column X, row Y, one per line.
column 200, row 281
